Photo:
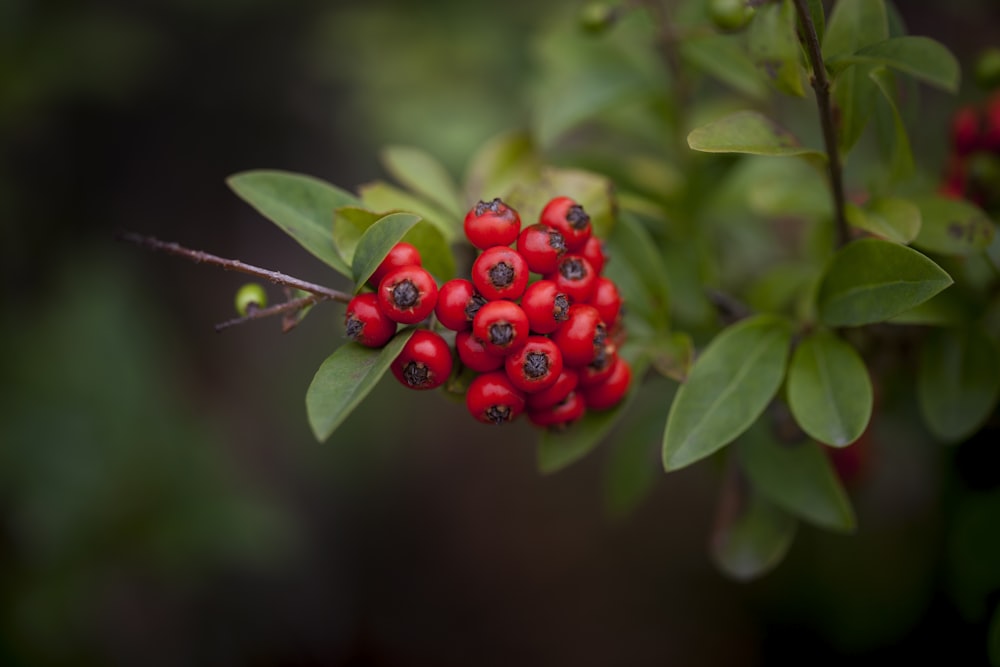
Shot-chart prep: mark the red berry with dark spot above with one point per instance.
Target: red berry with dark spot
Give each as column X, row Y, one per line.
column 581, row 336
column 492, row 399
column 610, row 392
column 500, row 273
column 569, row 219
column 536, row 366
column 491, row 223
column 472, row 353
column 555, row 393
column 402, row 254
column 366, row 323
column 424, row 362
column 575, row 277
column 546, row 307
column 502, row 327
column 599, row 370
column 607, row 300
column 541, row 246
column 593, row 250
column 407, row 294
column 457, row 303
column 561, row 415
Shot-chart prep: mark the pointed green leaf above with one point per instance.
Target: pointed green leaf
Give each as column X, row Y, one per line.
column 343, row 381
column 901, row 155
column 953, row 226
column 774, row 46
column 958, row 381
column 829, row 391
column 799, row 478
column 380, row 196
column 556, row 450
column 854, row 24
column 729, row 386
column 349, row 224
column 637, row 267
column 425, row 175
column 376, row 242
column 871, row 280
column 499, row 164
column 854, row 93
column 724, row 58
column 435, row 253
column 751, row 533
column 747, row 132
column 302, row 206
column 921, row 57
column 893, row 219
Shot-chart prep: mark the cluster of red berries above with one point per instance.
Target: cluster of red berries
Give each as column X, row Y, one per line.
column 545, row 347
column 973, row 168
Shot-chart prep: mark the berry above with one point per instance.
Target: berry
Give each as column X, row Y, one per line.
column 610, row 392
column 545, row 306
column 730, row 14
column 575, row 277
column 555, row 393
column 492, row 223
column 492, row 399
column 581, row 336
column 593, row 251
column 560, row 415
column 457, row 303
column 536, row 366
column 250, row 297
column 541, row 247
column 424, row 362
column 500, row 273
column 472, row 353
column 599, row 370
column 407, row 294
column 502, row 327
column 402, row 254
column 606, row 300
column 366, row 323
column 569, row 218
column 966, row 132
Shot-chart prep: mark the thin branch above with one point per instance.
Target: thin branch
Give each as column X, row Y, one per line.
column 292, row 306
column 821, row 86
column 200, row 257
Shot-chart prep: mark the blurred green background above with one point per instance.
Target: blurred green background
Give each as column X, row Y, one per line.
column 163, row 502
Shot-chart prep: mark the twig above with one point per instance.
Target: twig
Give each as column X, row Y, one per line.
column 200, row 257
column 821, row 86
column 292, row 306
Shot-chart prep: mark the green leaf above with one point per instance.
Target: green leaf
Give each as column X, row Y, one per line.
column 672, row 355
column 344, row 379
column 774, row 46
column 747, row 132
column 729, row 386
column 499, row 164
column 302, row 206
column 871, row 280
column 799, row 478
column 953, row 226
column 829, row 391
column 376, row 242
column 921, row 57
column 901, row 156
column 556, row 450
column 854, row 95
column 724, row 58
column 435, row 253
column 751, row 533
column 636, row 266
column 818, row 18
column 893, row 219
column 349, row 224
column 958, row 381
column 854, row 24
column 419, row 171
column 380, row 196
column 592, row 191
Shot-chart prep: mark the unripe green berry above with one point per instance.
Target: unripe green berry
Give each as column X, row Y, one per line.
column 730, row 14
column 596, row 17
column 250, row 297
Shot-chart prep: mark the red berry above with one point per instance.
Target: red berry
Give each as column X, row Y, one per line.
column 366, row 323
column 492, row 399
column 599, row 370
column 402, row 254
column 575, row 277
column 545, row 306
column 581, row 336
column 555, row 393
column 490, row 224
column 536, row 366
column 569, row 219
column 500, row 273
column 541, row 246
column 966, row 134
column 457, row 303
column 606, row 300
column 501, row 326
column 610, row 392
column 407, row 294
column 424, row 362
column 593, row 250
column 560, row 415
column 472, row 353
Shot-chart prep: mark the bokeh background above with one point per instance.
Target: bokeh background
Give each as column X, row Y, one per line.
column 162, row 501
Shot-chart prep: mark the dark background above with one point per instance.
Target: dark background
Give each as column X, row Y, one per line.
column 162, row 501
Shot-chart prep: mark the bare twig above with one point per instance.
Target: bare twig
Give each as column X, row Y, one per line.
column 292, row 306
column 821, row 86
